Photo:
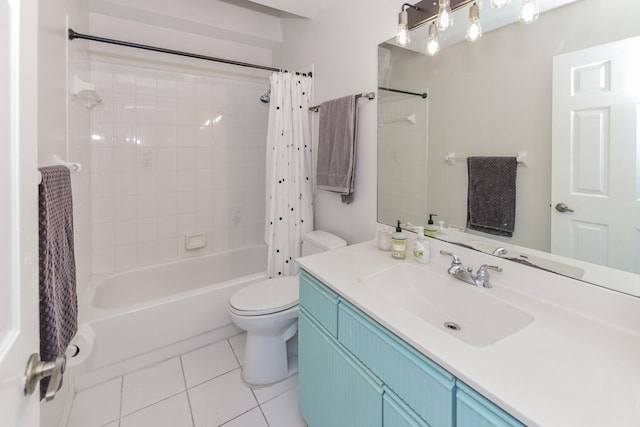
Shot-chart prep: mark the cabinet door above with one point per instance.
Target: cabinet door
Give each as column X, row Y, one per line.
column 474, row 410
column 334, row 389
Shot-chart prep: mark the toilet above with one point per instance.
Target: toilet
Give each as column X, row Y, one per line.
column 268, row 311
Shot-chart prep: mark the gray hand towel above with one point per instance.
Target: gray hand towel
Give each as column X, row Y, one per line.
column 337, row 147
column 58, row 299
column 491, row 197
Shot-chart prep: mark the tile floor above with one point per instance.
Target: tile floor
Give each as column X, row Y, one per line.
column 198, row 389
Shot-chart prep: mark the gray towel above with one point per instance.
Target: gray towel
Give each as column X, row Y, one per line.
column 58, row 299
column 491, row 197
column 337, row 147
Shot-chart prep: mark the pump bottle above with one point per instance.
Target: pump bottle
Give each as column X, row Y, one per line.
column 398, row 243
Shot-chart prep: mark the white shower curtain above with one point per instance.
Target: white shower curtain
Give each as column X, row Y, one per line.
column 289, row 211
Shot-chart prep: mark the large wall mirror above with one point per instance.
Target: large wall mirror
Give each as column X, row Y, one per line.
column 513, row 92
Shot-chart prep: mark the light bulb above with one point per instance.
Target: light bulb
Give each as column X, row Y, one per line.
column 433, row 46
column 402, row 37
column 474, row 30
column 529, row 11
column 445, row 17
column 498, row 4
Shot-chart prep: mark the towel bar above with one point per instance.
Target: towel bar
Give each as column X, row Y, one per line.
column 368, row 95
column 73, row 167
column 451, row 158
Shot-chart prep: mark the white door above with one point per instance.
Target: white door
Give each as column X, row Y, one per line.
column 596, row 110
column 18, row 210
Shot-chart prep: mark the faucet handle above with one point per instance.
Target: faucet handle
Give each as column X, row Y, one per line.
column 484, row 267
column 456, row 259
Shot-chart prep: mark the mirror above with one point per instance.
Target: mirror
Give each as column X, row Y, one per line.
column 494, row 98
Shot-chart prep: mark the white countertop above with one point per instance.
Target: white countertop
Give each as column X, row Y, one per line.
column 576, row 364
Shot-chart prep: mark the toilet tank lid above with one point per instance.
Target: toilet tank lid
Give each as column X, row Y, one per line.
column 325, row 240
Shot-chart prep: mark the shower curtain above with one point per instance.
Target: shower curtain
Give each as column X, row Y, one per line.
column 289, row 211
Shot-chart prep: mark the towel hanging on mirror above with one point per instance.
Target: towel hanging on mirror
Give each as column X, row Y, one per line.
column 491, row 195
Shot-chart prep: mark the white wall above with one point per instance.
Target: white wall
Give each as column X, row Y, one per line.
column 342, row 44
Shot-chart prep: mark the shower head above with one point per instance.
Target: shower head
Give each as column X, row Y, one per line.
column 266, row 97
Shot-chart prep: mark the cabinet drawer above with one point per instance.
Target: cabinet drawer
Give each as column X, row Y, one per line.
column 474, row 410
column 423, row 385
column 319, row 301
column 397, row 414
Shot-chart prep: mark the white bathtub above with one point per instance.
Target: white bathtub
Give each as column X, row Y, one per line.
column 150, row 309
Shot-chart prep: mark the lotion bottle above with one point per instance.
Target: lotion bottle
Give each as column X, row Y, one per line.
column 398, row 243
column 421, row 251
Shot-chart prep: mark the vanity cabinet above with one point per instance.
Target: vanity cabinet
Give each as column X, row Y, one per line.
column 354, row 372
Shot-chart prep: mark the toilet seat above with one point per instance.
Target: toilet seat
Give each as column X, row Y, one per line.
column 265, row 297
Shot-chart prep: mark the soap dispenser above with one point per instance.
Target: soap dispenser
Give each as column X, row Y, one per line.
column 431, row 229
column 421, row 251
column 398, row 243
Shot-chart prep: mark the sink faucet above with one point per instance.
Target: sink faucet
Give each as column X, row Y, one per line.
column 500, row 251
column 480, row 279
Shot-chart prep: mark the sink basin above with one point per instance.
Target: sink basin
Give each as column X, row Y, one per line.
column 468, row 313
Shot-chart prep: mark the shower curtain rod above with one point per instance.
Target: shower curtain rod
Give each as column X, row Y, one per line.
column 369, row 95
column 75, row 35
column 423, row 94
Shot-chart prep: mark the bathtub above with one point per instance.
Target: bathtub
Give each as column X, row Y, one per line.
column 146, row 310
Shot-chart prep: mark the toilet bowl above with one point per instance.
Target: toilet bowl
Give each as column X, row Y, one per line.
column 268, row 311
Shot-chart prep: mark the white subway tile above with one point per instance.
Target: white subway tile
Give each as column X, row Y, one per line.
column 125, row 232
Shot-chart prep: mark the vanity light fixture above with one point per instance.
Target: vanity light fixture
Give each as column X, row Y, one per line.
column 402, row 37
column 499, row 4
column 529, row 11
column 445, row 17
column 474, row 30
column 433, row 46
column 439, row 16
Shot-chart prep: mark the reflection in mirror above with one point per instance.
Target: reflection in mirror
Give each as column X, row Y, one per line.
column 494, row 98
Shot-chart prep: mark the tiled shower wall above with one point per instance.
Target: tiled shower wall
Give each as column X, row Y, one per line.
column 173, row 154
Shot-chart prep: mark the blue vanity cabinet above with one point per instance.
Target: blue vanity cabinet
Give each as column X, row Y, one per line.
column 353, row 372
column 474, row 410
column 335, row 389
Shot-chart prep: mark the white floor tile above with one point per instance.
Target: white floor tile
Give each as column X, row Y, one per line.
column 208, row 362
column 152, row 384
column 97, row 405
column 220, row 400
column 282, row 411
column 253, row 418
column 113, row 424
column 171, row 412
column 237, row 342
column 264, row 394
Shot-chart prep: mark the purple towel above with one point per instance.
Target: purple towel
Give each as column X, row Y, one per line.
column 58, row 299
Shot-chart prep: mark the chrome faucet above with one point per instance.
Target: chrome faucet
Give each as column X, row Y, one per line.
column 500, row 251
column 480, row 279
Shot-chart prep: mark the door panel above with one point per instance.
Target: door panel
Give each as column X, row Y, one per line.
column 596, row 95
column 18, row 210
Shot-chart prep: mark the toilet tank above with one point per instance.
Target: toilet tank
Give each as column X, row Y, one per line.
column 320, row 241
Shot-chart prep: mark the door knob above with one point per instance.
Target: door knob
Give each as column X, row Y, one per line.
column 561, row 207
column 37, row 370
